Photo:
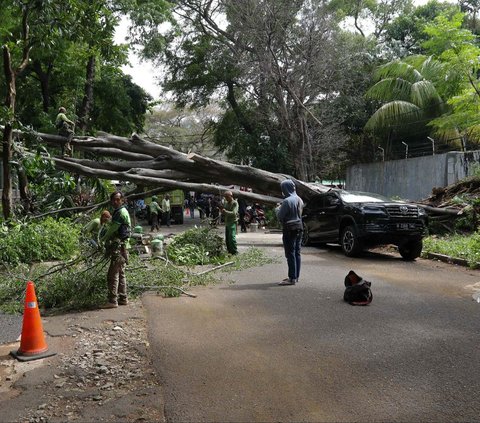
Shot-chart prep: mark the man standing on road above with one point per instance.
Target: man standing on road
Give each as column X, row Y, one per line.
column 155, row 212
column 166, row 208
column 116, row 241
column 289, row 214
column 230, row 211
column 242, row 207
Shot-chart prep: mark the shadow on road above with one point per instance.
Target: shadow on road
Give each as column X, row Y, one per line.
column 378, row 254
column 253, row 286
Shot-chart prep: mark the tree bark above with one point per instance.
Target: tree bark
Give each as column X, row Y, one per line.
column 23, row 188
column 10, row 79
column 159, row 166
column 87, row 103
column 7, row 133
column 44, row 78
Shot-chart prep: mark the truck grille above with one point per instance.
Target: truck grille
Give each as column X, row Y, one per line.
column 402, row 211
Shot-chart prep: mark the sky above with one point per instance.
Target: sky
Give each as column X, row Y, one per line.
column 143, row 73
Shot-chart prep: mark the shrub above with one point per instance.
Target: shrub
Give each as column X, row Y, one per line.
column 196, row 246
column 48, row 239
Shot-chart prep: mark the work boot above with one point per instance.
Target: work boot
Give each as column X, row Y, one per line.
column 123, row 302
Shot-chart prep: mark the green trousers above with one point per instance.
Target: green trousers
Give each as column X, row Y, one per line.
column 231, row 237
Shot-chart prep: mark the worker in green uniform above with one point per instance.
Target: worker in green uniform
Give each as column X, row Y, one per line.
column 116, row 242
column 155, row 213
column 230, row 211
column 66, row 129
column 94, row 229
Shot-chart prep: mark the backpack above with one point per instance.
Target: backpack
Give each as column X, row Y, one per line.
column 357, row 290
column 124, row 231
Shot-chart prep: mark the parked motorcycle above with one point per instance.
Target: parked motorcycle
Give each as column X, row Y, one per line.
column 256, row 214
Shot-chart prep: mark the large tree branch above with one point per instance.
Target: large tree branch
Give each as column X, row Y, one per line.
column 159, row 167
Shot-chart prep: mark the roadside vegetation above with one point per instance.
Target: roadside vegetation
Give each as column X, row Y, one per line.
column 456, row 235
column 70, row 275
column 463, row 246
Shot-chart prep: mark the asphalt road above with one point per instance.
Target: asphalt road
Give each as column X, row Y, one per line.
column 10, row 328
column 254, row 351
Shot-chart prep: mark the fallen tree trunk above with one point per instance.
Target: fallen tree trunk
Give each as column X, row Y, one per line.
column 148, row 164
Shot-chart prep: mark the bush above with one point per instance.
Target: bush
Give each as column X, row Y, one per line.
column 271, row 218
column 196, row 246
column 49, row 239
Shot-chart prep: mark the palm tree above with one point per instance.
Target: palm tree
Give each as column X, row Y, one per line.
column 411, row 101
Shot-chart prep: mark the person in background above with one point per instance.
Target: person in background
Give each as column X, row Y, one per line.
column 166, row 209
column 242, row 207
column 66, row 129
column 94, row 229
column 155, row 212
column 116, row 242
column 191, row 206
column 289, row 214
column 208, row 207
column 230, row 211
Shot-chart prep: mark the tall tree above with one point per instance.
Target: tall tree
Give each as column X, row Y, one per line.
column 11, row 71
column 274, row 63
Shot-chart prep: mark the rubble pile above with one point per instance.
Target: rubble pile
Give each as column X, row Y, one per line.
column 448, row 196
column 108, row 377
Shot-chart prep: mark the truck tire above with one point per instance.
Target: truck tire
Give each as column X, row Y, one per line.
column 351, row 245
column 411, row 250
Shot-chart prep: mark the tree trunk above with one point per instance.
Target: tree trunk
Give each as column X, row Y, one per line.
column 23, row 188
column 87, row 103
column 154, row 165
column 244, row 123
column 7, row 133
column 44, row 78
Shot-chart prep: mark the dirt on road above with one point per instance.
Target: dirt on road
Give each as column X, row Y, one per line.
column 102, row 372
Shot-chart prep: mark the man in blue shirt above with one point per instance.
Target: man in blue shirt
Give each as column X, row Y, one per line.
column 289, row 214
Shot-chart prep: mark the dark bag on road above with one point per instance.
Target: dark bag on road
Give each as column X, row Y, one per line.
column 357, row 290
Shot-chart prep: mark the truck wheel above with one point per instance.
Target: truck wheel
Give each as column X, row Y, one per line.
column 411, row 250
column 351, row 245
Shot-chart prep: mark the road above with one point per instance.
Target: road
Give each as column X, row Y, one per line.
column 254, row 351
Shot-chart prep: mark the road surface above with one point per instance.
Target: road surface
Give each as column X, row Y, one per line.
column 254, row 351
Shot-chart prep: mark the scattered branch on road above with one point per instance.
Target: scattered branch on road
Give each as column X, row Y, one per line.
column 159, row 287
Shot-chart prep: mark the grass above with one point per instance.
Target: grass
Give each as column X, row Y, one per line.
column 465, row 247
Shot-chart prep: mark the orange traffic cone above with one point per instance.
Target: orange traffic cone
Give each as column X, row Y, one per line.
column 32, row 342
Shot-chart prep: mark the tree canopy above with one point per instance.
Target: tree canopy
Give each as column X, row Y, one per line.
column 301, row 88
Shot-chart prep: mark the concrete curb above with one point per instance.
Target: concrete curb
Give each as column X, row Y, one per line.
column 448, row 259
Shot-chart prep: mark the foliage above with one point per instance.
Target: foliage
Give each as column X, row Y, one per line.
column 81, row 284
column 277, row 67
column 271, row 218
column 457, row 48
column 49, row 239
column 405, row 34
column 197, row 246
column 120, row 105
column 251, row 258
column 407, row 94
column 457, row 246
